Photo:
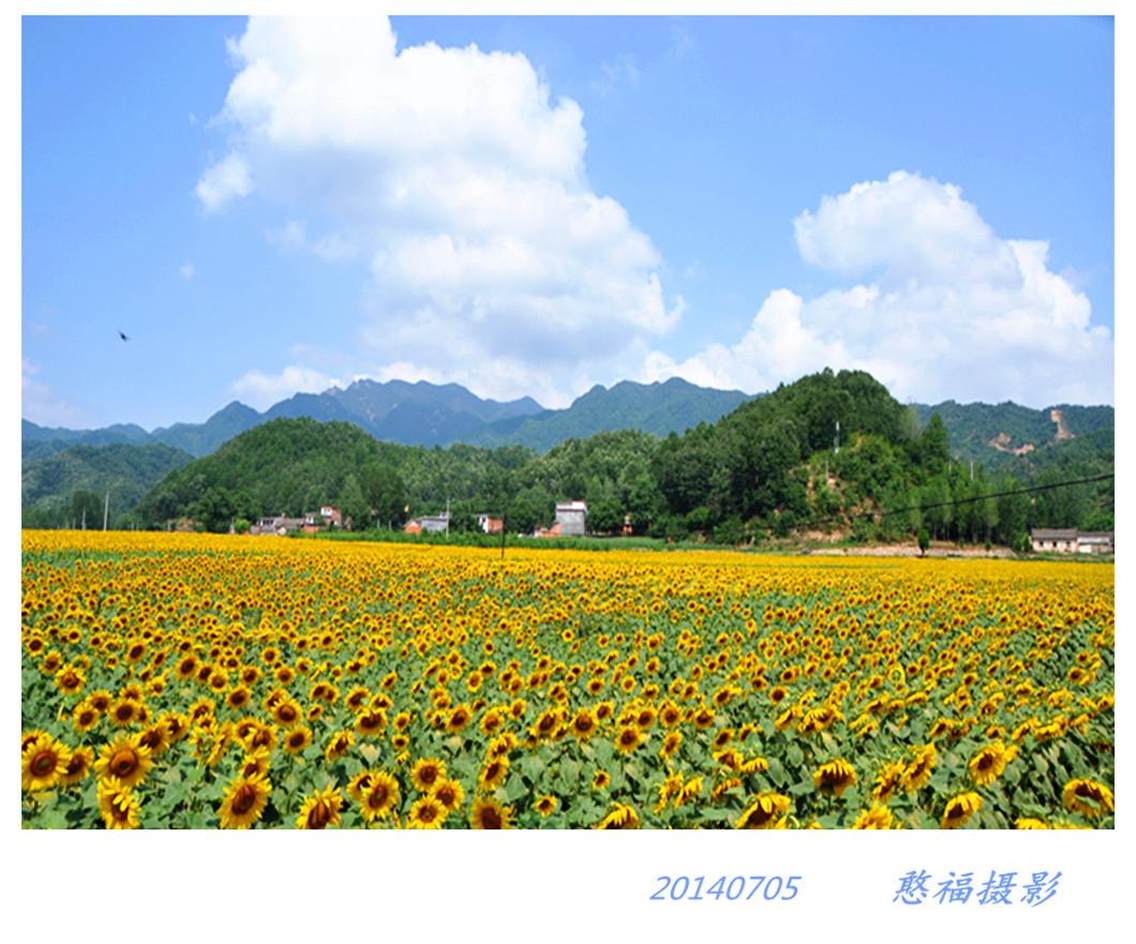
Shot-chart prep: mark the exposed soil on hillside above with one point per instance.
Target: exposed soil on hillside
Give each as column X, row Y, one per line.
column 1001, row 442
column 1063, row 431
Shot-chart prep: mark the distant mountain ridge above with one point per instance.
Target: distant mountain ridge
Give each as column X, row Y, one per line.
column 426, row 414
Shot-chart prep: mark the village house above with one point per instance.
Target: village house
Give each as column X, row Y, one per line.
column 571, row 517
column 490, row 525
column 1095, row 542
column 1072, row 541
column 431, row 524
column 553, row 532
column 327, row 517
column 276, row 524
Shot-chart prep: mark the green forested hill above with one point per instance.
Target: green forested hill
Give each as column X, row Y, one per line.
column 975, row 428
column 52, row 482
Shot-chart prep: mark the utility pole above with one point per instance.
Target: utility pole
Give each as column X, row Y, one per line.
column 447, row 516
column 836, row 441
column 504, row 528
column 84, row 517
column 106, row 509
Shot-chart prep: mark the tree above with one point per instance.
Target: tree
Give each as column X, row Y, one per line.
column 924, row 541
column 86, row 508
column 385, row 492
column 933, row 448
column 353, row 505
column 214, row 509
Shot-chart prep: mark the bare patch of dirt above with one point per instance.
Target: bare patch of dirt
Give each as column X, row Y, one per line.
column 1063, row 431
column 1001, row 442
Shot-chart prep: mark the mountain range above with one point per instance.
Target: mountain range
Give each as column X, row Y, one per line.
column 426, row 414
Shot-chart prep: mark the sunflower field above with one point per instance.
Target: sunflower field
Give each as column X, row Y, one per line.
column 173, row 680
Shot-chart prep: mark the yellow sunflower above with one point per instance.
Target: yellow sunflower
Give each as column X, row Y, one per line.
column 990, row 762
column 487, row 813
column 321, row 809
column 584, row 724
column 545, row 805
column 835, row 776
column 493, row 774
column 765, row 812
column 628, row 739
column 450, row 794
column 298, row 739
column 338, row 745
column 380, row 797
column 959, row 809
column 622, row 816
column 77, row 767
column 426, row 773
column 244, row 802
column 888, row 781
column 43, row 762
column 125, row 759
column 427, row 813
column 123, row 712
column 119, row 807
column 1087, row 797
column 371, row 723
column 878, row 817
column 917, row 774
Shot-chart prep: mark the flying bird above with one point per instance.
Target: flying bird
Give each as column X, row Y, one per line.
column 123, row 336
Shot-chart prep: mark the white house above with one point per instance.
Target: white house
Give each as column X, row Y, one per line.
column 1072, row 541
column 572, row 517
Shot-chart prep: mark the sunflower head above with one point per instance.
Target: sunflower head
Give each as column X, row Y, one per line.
column 487, row 813
column 119, row 807
column 959, row 809
column 450, row 794
column 878, row 817
column 622, row 816
column 427, row 813
column 765, row 812
column 379, row 797
column 244, row 801
column 125, row 759
column 321, row 809
column 426, row 773
column 1087, row 797
column 836, row 776
column 43, row 763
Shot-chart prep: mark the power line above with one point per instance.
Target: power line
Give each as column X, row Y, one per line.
column 968, row 501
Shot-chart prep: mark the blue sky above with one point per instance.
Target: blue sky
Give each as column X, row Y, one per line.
column 733, row 200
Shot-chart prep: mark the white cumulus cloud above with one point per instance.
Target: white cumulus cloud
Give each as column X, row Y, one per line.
column 946, row 308
column 461, row 179
column 224, row 181
column 261, row 390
